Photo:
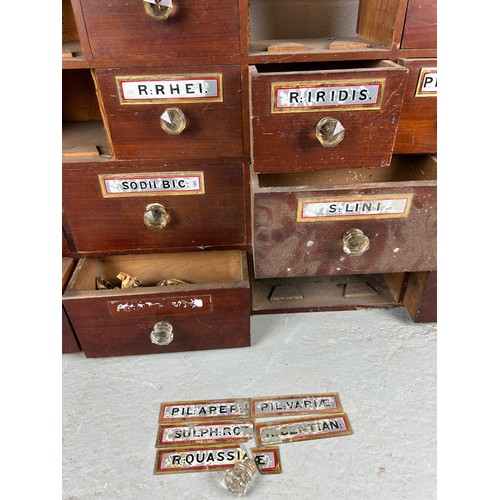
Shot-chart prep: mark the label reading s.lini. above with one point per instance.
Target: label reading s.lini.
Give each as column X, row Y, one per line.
column 354, row 207
column 157, row 89
column 159, row 183
column 318, row 96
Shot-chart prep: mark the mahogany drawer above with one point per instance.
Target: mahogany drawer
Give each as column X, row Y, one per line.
column 301, row 221
column 194, row 28
column 211, row 311
column 113, row 206
column 289, row 108
column 420, row 28
column 134, row 100
column 69, row 342
column 417, row 131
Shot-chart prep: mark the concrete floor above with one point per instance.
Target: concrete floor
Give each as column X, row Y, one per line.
column 381, row 363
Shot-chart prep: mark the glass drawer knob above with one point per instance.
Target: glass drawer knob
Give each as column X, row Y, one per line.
column 155, row 216
column 158, row 9
column 162, row 333
column 329, row 132
column 173, row 121
column 355, row 242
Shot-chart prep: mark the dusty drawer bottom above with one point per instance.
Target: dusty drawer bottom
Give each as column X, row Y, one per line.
column 326, row 293
column 211, row 310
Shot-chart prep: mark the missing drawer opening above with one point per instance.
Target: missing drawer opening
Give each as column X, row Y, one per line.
column 403, row 168
column 316, row 23
column 327, row 292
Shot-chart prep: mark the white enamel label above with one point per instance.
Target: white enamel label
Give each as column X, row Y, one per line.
column 301, row 429
column 197, row 459
column 294, row 97
column 158, row 183
column 427, row 83
column 233, row 408
column 198, row 433
column 169, row 89
column 353, row 208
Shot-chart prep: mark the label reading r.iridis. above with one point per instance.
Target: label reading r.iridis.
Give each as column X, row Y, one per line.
column 293, row 97
column 159, row 183
column 354, row 207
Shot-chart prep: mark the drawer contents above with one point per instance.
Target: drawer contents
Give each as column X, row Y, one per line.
column 115, row 206
column 324, row 116
column 364, row 221
column 417, row 131
column 172, row 112
column 211, row 310
column 145, row 30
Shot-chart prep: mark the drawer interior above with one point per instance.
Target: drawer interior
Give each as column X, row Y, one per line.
column 322, row 66
column 83, row 131
column 71, row 46
column 192, row 267
column 316, row 23
column 326, row 293
column 403, row 168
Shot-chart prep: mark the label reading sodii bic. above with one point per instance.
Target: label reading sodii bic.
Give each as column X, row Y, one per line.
column 155, row 89
column 159, row 183
column 317, row 96
column 355, row 207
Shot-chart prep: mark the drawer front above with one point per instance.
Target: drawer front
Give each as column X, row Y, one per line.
column 194, row 28
column 106, row 203
column 420, row 29
column 135, row 100
column 69, row 342
column 208, row 319
column 366, row 102
column 417, row 131
column 290, row 241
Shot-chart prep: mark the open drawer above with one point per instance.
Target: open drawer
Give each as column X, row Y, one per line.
column 211, row 310
column 346, row 222
column 325, row 115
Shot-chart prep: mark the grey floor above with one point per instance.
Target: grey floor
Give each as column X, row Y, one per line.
column 380, row 362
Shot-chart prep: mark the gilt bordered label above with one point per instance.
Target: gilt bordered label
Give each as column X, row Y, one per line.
column 181, row 434
column 158, row 89
column 158, row 183
column 427, row 83
column 301, row 429
column 204, row 410
column 198, row 458
column 267, row 459
column 354, row 207
column 295, row 405
column 293, row 97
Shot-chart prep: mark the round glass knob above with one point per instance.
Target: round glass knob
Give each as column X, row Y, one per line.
column 162, row 333
column 158, row 9
column 173, row 121
column 329, row 132
column 155, row 216
column 355, row 242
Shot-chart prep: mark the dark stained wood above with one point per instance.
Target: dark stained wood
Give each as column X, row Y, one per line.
column 285, row 247
column 417, row 130
column 287, row 142
column 215, row 218
column 381, row 21
column 222, row 321
column 214, row 129
column 79, row 99
column 69, row 341
column 420, row 29
column 420, row 297
column 118, row 29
